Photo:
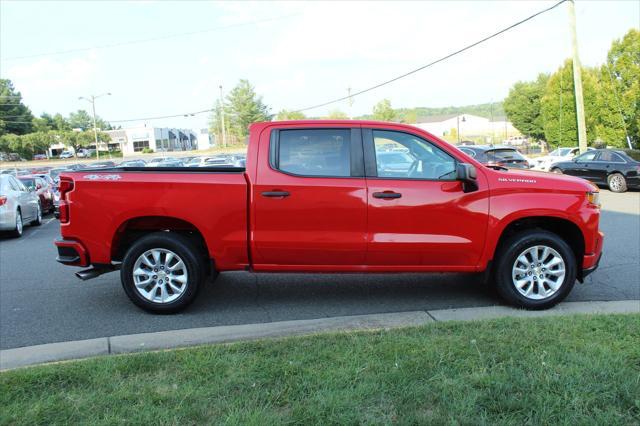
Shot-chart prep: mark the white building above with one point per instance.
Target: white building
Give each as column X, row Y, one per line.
column 134, row 140
column 466, row 125
column 204, row 140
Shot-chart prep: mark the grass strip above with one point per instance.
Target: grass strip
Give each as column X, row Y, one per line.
column 557, row 370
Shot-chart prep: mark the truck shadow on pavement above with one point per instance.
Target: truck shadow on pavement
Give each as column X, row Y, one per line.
column 297, row 296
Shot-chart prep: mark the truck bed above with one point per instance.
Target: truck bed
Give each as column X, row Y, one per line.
column 211, row 201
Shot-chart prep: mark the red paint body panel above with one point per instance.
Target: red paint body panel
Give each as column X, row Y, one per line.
column 327, row 224
column 214, row 203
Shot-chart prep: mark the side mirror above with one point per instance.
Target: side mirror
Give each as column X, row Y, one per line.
column 467, row 174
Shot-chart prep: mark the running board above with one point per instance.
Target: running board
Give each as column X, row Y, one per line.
column 94, row 271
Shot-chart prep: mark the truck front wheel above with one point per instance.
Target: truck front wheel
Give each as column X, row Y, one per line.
column 162, row 272
column 535, row 269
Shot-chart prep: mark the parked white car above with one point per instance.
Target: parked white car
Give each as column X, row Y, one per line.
column 66, row 154
column 18, row 206
column 555, row 156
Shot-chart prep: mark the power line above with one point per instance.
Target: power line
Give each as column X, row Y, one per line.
column 351, row 95
column 384, row 83
column 148, row 40
column 188, row 114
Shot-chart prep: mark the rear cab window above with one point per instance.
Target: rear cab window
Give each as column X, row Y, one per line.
column 312, row 152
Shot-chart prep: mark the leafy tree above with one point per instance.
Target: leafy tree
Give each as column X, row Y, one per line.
column 409, row 116
column 241, row 107
column 15, row 117
column 78, row 140
column 558, row 106
column 290, row 115
column 336, row 114
column 522, row 106
column 60, row 123
column 27, row 145
column 382, row 111
column 620, row 79
column 81, row 119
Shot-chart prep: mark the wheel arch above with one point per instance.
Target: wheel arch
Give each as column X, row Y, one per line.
column 135, row 228
column 566, row 229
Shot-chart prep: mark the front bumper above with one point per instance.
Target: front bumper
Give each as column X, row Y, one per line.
column 591, row 261
column 71, row 252
column 587, row 271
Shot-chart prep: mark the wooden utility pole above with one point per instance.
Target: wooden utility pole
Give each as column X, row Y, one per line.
column 224, row 132
column 577, row 81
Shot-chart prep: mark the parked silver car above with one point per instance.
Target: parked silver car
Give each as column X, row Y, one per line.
column 18, row 206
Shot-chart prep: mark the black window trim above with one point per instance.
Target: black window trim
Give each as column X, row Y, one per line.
column 355, row 145
column 371, row 166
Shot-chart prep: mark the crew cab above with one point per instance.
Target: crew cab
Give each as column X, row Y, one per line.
column 315, row 197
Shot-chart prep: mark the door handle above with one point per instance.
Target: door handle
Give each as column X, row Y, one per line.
column 275, row 194
column 386, row 195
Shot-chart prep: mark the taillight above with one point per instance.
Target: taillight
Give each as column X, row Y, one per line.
column 3, row 200
column 65, row 186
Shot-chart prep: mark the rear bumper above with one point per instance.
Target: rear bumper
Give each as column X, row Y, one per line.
column 71, row 252
column 7, row 219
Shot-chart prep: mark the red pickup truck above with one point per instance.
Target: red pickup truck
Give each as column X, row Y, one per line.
column 331, row 196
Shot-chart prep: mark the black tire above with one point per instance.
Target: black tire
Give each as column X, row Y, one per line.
column 556, row 170
column 511, row 249
column 183, row 248
column 17, row 232
column 38, row 220
column 617, row 183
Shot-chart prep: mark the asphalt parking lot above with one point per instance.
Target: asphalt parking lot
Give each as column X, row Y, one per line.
column 42, row 301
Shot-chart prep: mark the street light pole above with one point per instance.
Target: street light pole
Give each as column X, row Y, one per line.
column 92, row 100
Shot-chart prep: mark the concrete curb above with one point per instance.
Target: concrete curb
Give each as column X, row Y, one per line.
column 52, row 352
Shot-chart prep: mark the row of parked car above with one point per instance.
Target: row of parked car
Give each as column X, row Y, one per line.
column 24, row 199
column 26, row 194
column 617, row 169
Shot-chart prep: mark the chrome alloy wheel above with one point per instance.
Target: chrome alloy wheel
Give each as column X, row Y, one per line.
column 160, row 275
column 616, row 183
column 538, row 272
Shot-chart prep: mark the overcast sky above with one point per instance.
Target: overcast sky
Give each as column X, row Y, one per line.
column 296, row 54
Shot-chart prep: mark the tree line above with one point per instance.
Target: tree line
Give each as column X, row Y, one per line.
column 23, row 133
column 545, row 109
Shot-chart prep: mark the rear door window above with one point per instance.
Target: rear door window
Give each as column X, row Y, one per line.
column 314, row 152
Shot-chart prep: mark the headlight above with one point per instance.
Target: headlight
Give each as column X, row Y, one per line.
column 593, row 198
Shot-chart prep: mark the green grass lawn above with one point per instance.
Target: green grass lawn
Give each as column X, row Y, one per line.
column 563, row 370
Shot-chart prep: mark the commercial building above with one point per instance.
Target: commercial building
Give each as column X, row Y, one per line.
column 134, row 140
column 467, row 126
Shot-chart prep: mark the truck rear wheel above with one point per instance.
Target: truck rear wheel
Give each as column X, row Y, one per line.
column 535, row 269
column 162, row 272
